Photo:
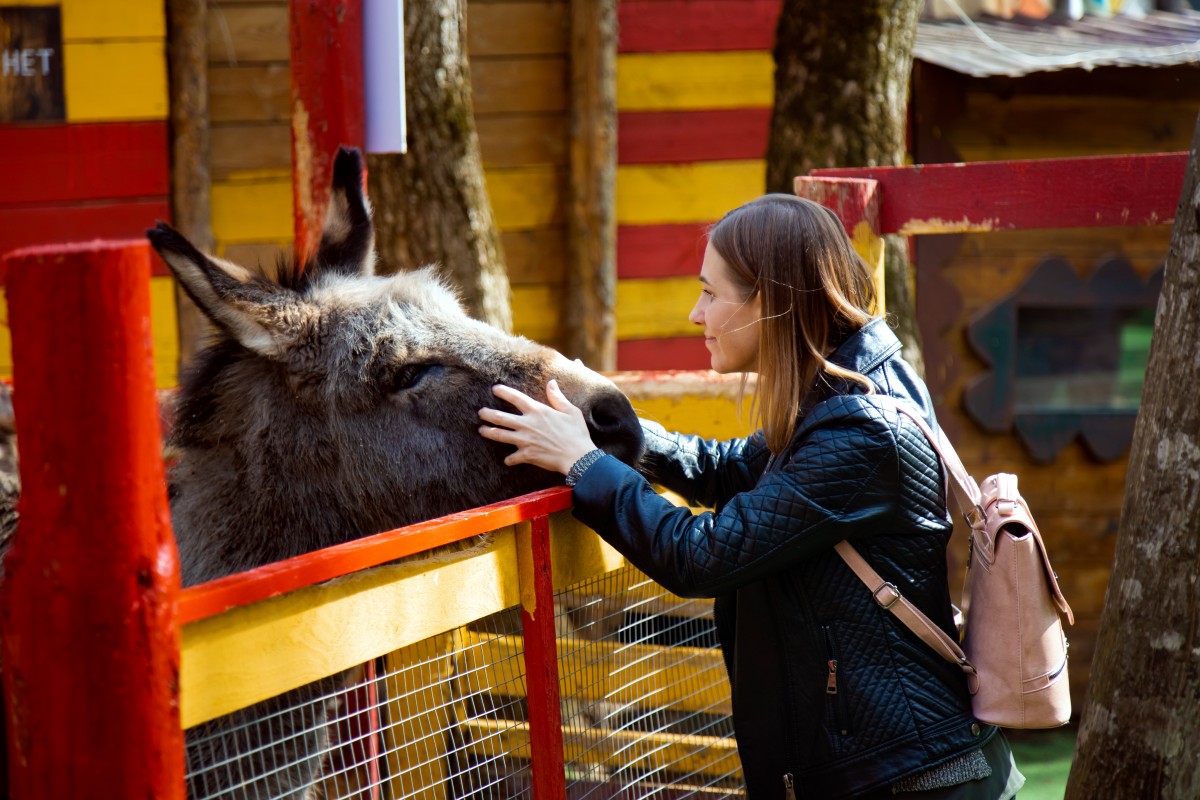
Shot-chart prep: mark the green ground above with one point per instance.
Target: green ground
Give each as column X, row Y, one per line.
column 1044, row 758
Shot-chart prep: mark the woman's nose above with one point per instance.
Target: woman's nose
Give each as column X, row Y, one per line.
column 696, row 316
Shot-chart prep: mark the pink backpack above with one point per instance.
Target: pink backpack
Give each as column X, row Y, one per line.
column 1014, row 650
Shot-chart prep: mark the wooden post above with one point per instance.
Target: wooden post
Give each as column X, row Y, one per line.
column 541, row 659
column 592, row 222
column 327, row 104
column 90, row 634
column 856, row 203
column 187, row 60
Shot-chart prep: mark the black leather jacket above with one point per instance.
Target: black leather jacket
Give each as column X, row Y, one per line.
column 787, row 605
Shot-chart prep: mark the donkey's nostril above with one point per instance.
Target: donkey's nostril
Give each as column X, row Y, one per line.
column 607, row 414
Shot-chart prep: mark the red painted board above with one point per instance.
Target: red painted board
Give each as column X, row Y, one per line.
column 673, row 26
column 682, row 352
column 660, row 251
column 327, row 103
column 44, row 164
column 1089, row 192
column 214, row 597
column 854, row 200
column 674, row 137
column 46, row 225
column 541, row 672
column 90, row 629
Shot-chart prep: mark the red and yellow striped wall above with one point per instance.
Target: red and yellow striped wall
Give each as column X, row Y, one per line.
column 694, row 96
column 103, row 172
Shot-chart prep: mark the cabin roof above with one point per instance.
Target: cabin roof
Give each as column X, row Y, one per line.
column 1018, row 46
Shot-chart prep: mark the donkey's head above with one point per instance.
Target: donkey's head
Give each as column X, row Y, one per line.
column 336, row 403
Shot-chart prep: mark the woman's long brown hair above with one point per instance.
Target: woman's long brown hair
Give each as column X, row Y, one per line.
column 814, row 292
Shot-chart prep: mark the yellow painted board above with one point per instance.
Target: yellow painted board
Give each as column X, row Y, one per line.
column 163, row 331
column 6, row 361
column 126, row 19
column 647, row 676
column 115, row 81
column 653, row 194
column 526, row 197
column 249, row 654
column 536, row 309
column 654, row 308
column 630, row 750
column 683, row 81
column 246, row 212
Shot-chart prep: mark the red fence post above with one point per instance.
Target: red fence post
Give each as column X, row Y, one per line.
column 541, row 660
column 90, row 637
column 327, row 104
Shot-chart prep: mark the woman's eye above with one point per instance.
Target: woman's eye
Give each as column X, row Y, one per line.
column 409, row 376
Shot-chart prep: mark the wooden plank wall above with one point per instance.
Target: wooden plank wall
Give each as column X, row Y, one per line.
column 102, row 172
column 249, row 113
column 694, row 93
column 1076, row 499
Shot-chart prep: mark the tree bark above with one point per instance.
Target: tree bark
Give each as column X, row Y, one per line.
column 431, row 204
column 187, row 59
column 841, row 96
column 1139, row 731
column 591, row 326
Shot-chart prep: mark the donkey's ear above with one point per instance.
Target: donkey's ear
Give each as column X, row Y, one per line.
column 259, row 314
column 348, row 237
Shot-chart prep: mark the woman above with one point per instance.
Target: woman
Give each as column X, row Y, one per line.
column 832, row 696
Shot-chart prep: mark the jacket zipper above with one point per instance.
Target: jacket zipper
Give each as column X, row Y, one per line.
column 789, row 788
column 831, row 682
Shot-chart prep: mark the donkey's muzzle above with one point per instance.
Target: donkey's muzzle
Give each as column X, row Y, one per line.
column 613, row 425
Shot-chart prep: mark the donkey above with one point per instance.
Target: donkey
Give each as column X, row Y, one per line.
column 333, row 404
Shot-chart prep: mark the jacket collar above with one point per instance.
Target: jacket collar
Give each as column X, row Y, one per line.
column 867, row 348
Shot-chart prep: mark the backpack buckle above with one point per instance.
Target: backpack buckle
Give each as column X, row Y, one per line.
column 886, row 595
column 975, row 517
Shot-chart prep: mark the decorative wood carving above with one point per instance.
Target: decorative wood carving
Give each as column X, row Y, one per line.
column 1067, row 357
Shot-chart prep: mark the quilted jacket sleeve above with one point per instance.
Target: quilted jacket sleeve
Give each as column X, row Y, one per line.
column 839, row 480
column 705, row 472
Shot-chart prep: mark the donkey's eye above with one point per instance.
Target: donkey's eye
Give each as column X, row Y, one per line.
column 410, row 375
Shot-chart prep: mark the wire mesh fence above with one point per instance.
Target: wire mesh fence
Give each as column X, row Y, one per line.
column 645, row 698
column 642, row 691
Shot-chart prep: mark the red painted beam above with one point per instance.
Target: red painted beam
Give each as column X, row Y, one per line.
column 214, row 597
column 665, row 26
column 541, row 670
column 660, row 251
column 676, row 137
column 44, row 164
column 1090, row 192
column 90, row 628
column 59, row 224
column 327, row 103
column 682, row 352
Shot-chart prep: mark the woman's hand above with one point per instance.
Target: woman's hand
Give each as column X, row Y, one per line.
column 551, row 436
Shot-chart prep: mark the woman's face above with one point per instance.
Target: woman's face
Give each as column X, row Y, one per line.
column 730, row 321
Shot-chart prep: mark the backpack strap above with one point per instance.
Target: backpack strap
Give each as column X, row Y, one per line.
column 888, row 597
column 962, row 485
column 967, row 495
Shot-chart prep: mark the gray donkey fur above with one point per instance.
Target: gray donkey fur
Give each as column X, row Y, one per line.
column 334, row 404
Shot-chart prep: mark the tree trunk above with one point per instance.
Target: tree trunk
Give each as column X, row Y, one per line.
column 1140, row 730
column 431, row 204
column 590, row 318
column 841, row 97
column 187, row 58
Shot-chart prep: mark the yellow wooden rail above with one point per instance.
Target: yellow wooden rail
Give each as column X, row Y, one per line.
column 634, row 751
column 248, row 654
column 675, row 678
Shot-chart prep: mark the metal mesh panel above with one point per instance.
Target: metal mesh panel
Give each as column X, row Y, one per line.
column 645, row 696
column 441, row 718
